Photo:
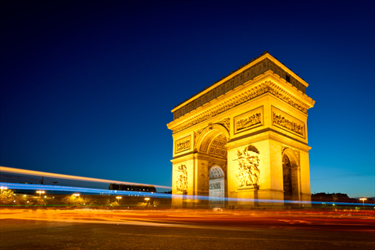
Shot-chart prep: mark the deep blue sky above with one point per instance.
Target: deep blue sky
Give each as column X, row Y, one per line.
column 87, row 87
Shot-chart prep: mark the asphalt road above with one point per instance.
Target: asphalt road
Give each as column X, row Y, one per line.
column 188, row 231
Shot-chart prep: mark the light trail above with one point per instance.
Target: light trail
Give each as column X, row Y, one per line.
column 70, row 177
column 162, row 195
column 81, row 190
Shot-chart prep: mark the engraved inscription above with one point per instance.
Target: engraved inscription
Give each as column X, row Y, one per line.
column 215, row 185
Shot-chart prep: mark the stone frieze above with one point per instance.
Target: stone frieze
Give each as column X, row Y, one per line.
column 248, row 120
column 287, row 122
column 183, row 144
column 265, row 87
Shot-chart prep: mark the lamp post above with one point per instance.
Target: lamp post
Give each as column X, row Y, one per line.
column 40, row 192
column 147, row 199
column 118, row 199
column 3, row 188
column 363, row 200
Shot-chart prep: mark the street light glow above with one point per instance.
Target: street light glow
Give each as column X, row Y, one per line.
column 363, row 199
column 40, row 192
column 76, row 194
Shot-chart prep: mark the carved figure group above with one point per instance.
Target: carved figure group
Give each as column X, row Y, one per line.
column 290, row 125
column 249, row 121
column 182, row 177
column 248, row 166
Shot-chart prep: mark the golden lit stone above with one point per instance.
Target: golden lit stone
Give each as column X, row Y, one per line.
column 252, row 125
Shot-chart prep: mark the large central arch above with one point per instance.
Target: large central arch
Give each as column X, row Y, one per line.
column 212, row 159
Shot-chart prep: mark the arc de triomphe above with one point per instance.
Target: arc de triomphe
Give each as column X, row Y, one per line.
column 244, row 137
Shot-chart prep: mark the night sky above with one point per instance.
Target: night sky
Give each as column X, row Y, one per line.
column 87, row 87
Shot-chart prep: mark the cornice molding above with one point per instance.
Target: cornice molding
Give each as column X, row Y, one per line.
column 252, row 91
column 266, row 56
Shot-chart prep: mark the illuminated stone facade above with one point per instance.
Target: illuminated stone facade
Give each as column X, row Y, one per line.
column 252, row 125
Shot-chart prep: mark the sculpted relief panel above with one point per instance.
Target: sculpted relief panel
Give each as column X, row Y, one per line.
column 248, row 167
column 182, row 179
column 248, row 120
column 183, row 144
column 225, row 122
column 287, row 122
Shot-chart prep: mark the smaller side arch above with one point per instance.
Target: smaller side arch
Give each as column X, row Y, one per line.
column 217, row 186
column 291, row 176
column 292, row 157
column 217, row 168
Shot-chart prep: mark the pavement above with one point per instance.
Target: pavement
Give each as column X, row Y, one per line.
column 178, row 229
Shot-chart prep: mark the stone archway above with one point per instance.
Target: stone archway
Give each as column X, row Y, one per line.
column 216, row 187
column 291, row 180
column 204, row 137
column 212, row 164
column 262, row 105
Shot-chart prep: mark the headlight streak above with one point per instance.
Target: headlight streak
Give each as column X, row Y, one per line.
column 91, row 191
column 70, row 177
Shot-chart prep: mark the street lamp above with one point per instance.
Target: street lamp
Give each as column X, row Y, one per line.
column 76, row 194
column 363, row 200
column 118, row 199
column 3, row 188
column 40, row 192
column 147, row 199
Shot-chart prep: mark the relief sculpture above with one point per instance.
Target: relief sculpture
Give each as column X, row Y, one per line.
column 183, row 144
column 249, row 121
column 266, row 87
column 226, row 123
column 248, row 167
column 288, row 124
column 182, row 176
